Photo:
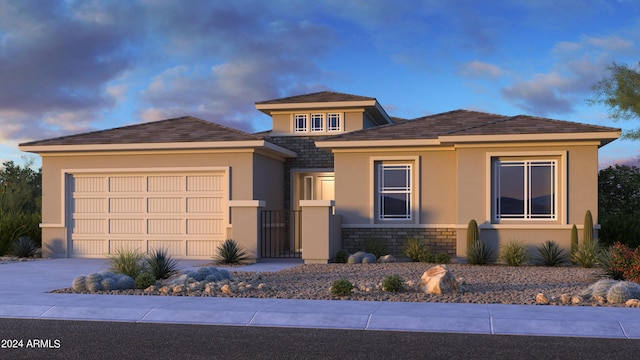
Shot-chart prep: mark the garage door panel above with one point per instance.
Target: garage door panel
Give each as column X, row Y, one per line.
column 185, row 213
column 126, row 205
column 165, row 204
column 116, row 245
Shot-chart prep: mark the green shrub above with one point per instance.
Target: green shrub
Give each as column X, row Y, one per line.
column 161, row 264
column 127, row 261
column 376, row 247
column 416, row 250
column 393, row 283
column 24, row 247
column 550, row 254
column 15, row 225
column 586, row 255
column 229, row 252
column 606, row 264
column 342, row 256
column 626, row 262
column 341, row 287
column 443, row 258
column 514, row 253
column 144, row 280
column 480, row 253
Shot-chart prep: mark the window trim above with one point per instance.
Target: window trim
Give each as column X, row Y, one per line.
column 414, row 163
column 337, row 128
column 312, row 118
column 560, row 183
column 297, row 128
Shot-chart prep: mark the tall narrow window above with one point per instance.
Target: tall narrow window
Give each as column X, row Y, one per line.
column 300, row 123
column 394, row 192
column 333, row 122
column 317, row 122
column 525, row 190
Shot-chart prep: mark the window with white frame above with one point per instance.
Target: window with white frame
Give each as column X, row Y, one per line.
column 333, row 122
column 525, row 189
column 300, row 123
column 394, row 191
column 317, row 122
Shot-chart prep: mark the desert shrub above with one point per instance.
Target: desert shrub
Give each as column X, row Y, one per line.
column 623, row 228
column 605, row 263
column 342, row 256
column 624, row 262
column 622, row 291
column 127, row 261
column 376, row 247
column 361, row 257
column 125, row 282
column 480, row 253
column 15, row 225
column 586, row 255
column 416, row 250
column 599, row 288
column 161, row 264
column 442, row 258
column 550, row 254
column 144, row 280
column 514, row 253
column 24, row 247
column 229, row 252
column 393, row 283
column 79, row 283
column 341, row 287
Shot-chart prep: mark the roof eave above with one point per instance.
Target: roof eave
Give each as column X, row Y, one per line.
column 270, row 147
column 603, row 137
column 333, row 144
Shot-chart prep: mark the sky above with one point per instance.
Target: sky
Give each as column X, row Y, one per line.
column 71, row 66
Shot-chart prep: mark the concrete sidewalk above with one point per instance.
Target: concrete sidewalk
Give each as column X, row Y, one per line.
column 24, row 286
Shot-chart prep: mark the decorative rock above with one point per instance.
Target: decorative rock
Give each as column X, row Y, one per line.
column 165, row 290
column 576, row 299
column 262, row 286
column 439, row 280
column 565, row 299
column 599, row 299
column 387, row 259
column 151, row 289
column 542, row 299
column 632, row 303
column 178, row 289
column 226, row 289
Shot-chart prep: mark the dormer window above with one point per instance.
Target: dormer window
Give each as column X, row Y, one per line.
column 300, row 123
column 317, row 122
column 333, row 122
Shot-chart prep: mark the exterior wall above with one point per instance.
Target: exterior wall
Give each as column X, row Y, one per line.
column 268, row 177
column 54, row 230
column 440, row 240
column 578, row 192
column 354, row 119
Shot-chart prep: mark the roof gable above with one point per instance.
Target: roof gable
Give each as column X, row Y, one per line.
column 322, row 96
column 177, row 130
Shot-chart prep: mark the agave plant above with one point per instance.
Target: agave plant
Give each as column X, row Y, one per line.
column 550, row 254
column 229, row 252
column 480, row 253
column 24, row 247
column 161, row 264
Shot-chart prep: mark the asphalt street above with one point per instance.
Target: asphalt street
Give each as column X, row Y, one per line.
column 63, row 339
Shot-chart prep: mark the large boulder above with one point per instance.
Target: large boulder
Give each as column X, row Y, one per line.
column 439, row 280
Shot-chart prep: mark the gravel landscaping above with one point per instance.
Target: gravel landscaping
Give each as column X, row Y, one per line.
column 493, row 284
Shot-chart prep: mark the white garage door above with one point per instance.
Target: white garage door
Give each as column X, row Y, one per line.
column 183, row 213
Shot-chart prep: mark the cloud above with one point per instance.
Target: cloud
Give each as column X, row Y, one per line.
column 479, row 69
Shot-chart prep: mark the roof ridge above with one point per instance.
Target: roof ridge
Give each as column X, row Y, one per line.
column 281, row 99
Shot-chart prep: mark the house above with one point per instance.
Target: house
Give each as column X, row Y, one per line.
column 334, row 171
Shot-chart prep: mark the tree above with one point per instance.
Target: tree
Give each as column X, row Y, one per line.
column 22, row 188
column 619, row 205
column 620, row 92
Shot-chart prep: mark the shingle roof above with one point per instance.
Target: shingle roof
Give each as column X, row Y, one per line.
column 465, row 122
column 177, row 130
column 322, row 96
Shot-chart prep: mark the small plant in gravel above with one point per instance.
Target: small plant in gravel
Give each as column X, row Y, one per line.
column 622, row 291
column 586, row 255
column 229, row 252
column 376, row 247
column 362, row 257
column 574, row 240
column 480, row 253
column 550, row 254
column 342, row 256
column 144, row 280
column 514, row 253
column 416, row 250
column 342, row 287
column 127, row 261
column 599, row 288
column 442, row 258
column 161, row 264
column 393, row 283
column 624, row 262
column 24, row 247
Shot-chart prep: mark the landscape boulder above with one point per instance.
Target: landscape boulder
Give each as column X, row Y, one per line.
column 439, row 280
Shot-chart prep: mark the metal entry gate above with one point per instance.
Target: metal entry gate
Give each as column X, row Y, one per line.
column 281, row 233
